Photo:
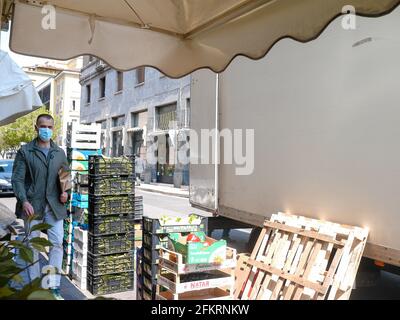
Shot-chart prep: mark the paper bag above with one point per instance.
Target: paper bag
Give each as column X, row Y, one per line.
column 64, row 177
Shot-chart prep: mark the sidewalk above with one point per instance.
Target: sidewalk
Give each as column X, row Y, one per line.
column 163, row 188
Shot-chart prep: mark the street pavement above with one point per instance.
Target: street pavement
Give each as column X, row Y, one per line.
column 155, row 205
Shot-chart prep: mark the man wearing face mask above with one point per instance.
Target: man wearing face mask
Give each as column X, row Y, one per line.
column 37, row 189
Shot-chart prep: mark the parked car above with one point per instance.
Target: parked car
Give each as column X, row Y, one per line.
column 6, row 167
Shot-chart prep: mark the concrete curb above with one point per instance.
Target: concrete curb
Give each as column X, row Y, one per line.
column 163, row 192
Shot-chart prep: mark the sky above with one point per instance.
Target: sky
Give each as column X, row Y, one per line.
column 21, row 60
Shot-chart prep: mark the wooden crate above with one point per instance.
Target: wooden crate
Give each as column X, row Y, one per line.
column 173, row 261
column 205, row 294
column 212, row 282
column 177, row 285
column 300, row 258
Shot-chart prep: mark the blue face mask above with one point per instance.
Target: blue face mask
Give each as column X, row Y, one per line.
column 45, row 134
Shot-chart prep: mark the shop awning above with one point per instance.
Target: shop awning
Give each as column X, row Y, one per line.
column 18, row 96
column 174, row 36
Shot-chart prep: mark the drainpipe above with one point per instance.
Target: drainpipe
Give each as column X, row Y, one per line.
column 216, row 151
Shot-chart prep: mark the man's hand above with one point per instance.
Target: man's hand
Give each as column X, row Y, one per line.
column 63, row 197
column 28, row 209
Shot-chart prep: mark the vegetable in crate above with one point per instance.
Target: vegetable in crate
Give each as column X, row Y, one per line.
column 111, row 244
column 111, row 283
column 111, row 263
column 105, row 205
column 103, row 165
column 112, row 186
column 113, row 225
column 191, row 219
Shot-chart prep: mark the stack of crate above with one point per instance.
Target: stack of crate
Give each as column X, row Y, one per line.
column 179, row 280
column 68, row 241
column 79, row 161
column 138, row 226
column 80, row 201
column 79, row 261
column 112, row 220
column 82, row 141
column 155, row 236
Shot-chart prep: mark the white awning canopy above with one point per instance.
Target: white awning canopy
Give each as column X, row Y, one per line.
column 174, row 36
column 18, row 96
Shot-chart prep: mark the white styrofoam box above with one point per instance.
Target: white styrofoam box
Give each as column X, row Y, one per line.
column 79, row 246
column 80, row 234
column 78, row 269
column 81, row 283
column 80, row 257
column 67, row 269
column 85, row 145
column 85, row 136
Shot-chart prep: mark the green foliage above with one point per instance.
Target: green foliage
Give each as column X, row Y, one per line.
column 41, row 227
column 23, row 131
column 10, row 271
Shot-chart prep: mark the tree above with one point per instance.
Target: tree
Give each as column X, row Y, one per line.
column 23, row 131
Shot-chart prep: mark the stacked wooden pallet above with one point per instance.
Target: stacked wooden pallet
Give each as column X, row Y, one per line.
column 300, row 258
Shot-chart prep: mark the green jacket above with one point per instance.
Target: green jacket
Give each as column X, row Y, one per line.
column 35, row 179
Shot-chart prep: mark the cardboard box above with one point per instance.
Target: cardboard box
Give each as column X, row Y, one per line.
column 77, row 154
column 208, row 250
column 79, row 165
column 80, row 204
column 80, row 197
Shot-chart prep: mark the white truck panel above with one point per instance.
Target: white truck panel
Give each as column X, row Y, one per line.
column 202, row 176
column 326, row 116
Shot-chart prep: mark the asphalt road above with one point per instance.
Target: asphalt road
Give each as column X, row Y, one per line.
column 156, row 205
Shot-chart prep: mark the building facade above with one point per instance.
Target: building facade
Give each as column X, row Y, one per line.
column 142, row 112
column 58, row 87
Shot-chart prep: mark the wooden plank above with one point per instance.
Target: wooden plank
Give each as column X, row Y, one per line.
column 267, row 260
column 291, row 277
column 294, row 244
column 240, row 274
column 279, row 263
column 299, row 268
column 293, row 267
column 339, row 228
column 252, row 272
column 381, row 253
column 309, row 265
column 306, row 233
column 347, row 283
column 257, row 253
column 341, row 267
column 319, row 271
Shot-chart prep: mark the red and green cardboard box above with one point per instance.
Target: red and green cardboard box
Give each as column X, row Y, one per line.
column 207, row 250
